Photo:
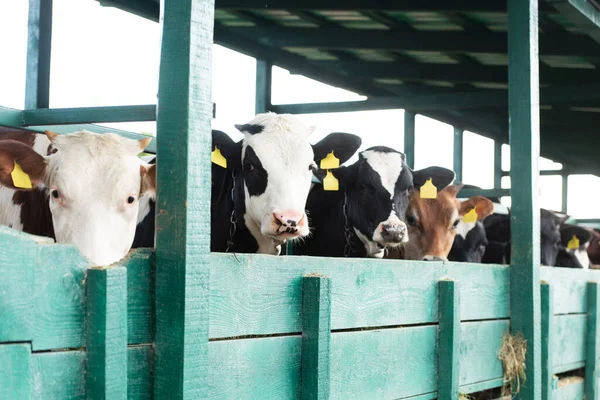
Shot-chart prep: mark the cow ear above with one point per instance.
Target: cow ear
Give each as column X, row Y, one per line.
column 483, row 207
column 568, row 231
column 148, row 174
column 231, row 150
column 21, row 168
column 343, row 145
column 440, row 177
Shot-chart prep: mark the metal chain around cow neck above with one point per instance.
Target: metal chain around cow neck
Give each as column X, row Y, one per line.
column 347, row 231
column 232, row 218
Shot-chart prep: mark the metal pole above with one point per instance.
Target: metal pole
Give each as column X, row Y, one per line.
column 458, row 154
column 409, row 138
column 497, row 164
column 565, row 192
column 263, row 86
column 39, row 44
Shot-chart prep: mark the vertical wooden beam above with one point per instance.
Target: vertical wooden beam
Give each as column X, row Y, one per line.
column 263, row 86
column 592, row 362
column 497, row 164
column 15, row 379
column 39, row 44
column 409, row 138
column 524, row 134
column 564, row 205
column 316, row 335
column 547, row 340
column 183, row 200
column 106, row 348
column 458, row 153
column 449, row 340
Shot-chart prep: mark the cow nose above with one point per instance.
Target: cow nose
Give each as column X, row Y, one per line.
column 434, row 258
column 288, row 221
column 393, row 233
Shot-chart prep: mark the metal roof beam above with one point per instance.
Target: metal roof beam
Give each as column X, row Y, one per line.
column 585, row 14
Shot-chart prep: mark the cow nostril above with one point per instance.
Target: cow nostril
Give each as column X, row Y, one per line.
column 291, row 222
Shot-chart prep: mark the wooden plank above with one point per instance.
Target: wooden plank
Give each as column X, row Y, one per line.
column 183, row 200
column 262, row 295
column 316, row 335
column 547, row 340
column 86, row 115
column 458, row 154
column 481, row 386
column 39, row 44
column 570, row 288
column 572, row 388
column 106, row 347
column 449, row 340
column 140, row 296
column 569, row 347
column 14, row 371
column 497, row 164
column 592, row 342
column 409, row 138
column 479, row 345
column 139, row 372
column 524, row 133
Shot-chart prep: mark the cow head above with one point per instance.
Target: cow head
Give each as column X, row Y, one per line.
column 434, row 222
column 470, row 243
column 594, row 248
column 277, row 162
column 550, row 239
column 575, row 241
column 93, row 184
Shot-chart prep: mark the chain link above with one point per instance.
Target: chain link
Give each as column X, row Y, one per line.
column 232, row 218
column 347, row 232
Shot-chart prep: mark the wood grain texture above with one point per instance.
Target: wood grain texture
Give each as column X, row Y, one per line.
column 139, row 372
column 316, row 335
column 262, row 294
column 592, row 342
column 184, row 114
column 569, row 337
column 547, row 302
column 570, row 287
column 570, row 391
column 140, row 296
column 14, row 371
column 524, row 139
column 449, row 340
column 479, row 345
column 106, row 348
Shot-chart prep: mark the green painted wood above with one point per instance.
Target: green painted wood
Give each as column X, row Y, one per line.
column 409, row 138
column 10, row 117
column 524, row 138
column 262, row 295
column 569, row 367
column 584, row 14
column 139, row 372
column 140, row 296
column 497, row 164
column 183, row 200
column 39, row 44
column 316, row 335
column 449, row 340
column 570, row 288
column 592, row 391
column 86, row 115
column 570, row 389
column 14, row 371
column 466, row 193
column 58, row 375
column 481, row 386
column 479, row 344
column 106, row 348
column 458, row 154
column 569, row 346
column 547, row 302
column 264, row 78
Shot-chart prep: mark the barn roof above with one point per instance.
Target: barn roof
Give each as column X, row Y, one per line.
column 444, row 59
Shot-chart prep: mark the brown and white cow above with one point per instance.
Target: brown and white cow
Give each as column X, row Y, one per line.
column 433, row 223
column 85, row 189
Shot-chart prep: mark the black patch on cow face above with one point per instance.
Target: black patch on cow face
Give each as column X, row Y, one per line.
column 35, row 212
column 470, row 249
column 252, row 129
column 255, row 176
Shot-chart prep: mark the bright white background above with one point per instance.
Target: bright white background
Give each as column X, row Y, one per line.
column 103, row 56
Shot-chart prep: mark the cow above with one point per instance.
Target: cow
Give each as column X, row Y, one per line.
column 470, row 243
column 433, row 223
column 259, row 194
column 365, row 216
column 497, row 229
column 83, row 192
column 594, row 247
column 575, row 241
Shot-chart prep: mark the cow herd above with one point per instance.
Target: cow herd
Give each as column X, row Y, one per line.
column 270, row 188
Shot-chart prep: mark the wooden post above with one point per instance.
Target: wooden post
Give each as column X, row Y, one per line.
column 449, row 340
column 564, row 205
column 409, row 138
column 15, row 360
column 263, row 86
column 497, row 164
column 547, row 340
column 316, row 335
column 592, row 362
column 39, row 43
column 458, row 154
column 183, row 200
column 106, row 348
column 524, row 134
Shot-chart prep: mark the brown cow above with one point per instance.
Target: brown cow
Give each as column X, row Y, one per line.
column 594, row 249
column 433, row 223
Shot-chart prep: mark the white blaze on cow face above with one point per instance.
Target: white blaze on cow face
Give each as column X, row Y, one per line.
column 277, row 160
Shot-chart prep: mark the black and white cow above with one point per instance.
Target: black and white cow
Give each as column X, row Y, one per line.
column 258, row 201
column 470, row 243
column 366, row 214
column 576, row 257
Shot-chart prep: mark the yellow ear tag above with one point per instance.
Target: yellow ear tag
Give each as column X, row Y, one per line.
column 331, row 183
column 217, row 158
column 471, row 216
column 20, row 178
column 573, row 243
column 428, row 190
column 330, row 162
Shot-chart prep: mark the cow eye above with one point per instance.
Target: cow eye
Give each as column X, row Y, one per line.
column 455, row 224
column 55, row 193
column 411, row 220
column 249, row 167
column 130, row 200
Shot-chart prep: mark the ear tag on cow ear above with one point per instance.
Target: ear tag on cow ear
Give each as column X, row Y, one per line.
column 428, row 190
column 330, row 162
column 331, row 183
column 573, row 243
column 471, row 216
column 20, row 178
column 217, row 158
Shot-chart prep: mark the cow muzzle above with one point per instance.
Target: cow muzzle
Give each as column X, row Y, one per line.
column 287, row 225
column 391, row 233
